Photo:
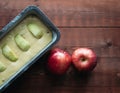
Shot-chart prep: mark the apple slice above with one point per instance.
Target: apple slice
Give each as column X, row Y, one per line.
column 2, row 67
column 9, row 53
column 22, row 43
column 35, row 30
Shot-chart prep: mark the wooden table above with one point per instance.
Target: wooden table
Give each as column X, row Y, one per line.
column 83, row 23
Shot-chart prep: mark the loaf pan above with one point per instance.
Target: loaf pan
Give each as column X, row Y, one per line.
column 29, row 11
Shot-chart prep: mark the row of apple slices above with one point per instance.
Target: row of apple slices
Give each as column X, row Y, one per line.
column 22, row 43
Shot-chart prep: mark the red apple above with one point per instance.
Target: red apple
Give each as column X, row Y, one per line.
column 58, row 61
column 84, row 59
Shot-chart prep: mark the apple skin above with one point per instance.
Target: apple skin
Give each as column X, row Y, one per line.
column 58, row 61
column 84, row 59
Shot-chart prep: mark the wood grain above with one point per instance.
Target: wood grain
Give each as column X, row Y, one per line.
column 82, row 23
column 104, row 77
column 104, row 41
column 78, row 13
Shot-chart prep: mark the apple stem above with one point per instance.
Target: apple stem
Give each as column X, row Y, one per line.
column 83, row 59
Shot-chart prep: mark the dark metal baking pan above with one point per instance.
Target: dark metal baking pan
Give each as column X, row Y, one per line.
column 30, row 10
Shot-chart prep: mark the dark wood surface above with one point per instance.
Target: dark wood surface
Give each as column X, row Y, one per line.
column 82, row 23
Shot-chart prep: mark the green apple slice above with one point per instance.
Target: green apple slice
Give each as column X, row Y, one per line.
column 9, row 53
column 2, row 67
column 35, row 30
column 22, row 43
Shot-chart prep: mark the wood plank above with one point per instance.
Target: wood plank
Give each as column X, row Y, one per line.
column 105, row 77
column 115, row 89
column 79, row 13
column 61, row 89
column 104, row 41
column 83, row 23
column 106, row 74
